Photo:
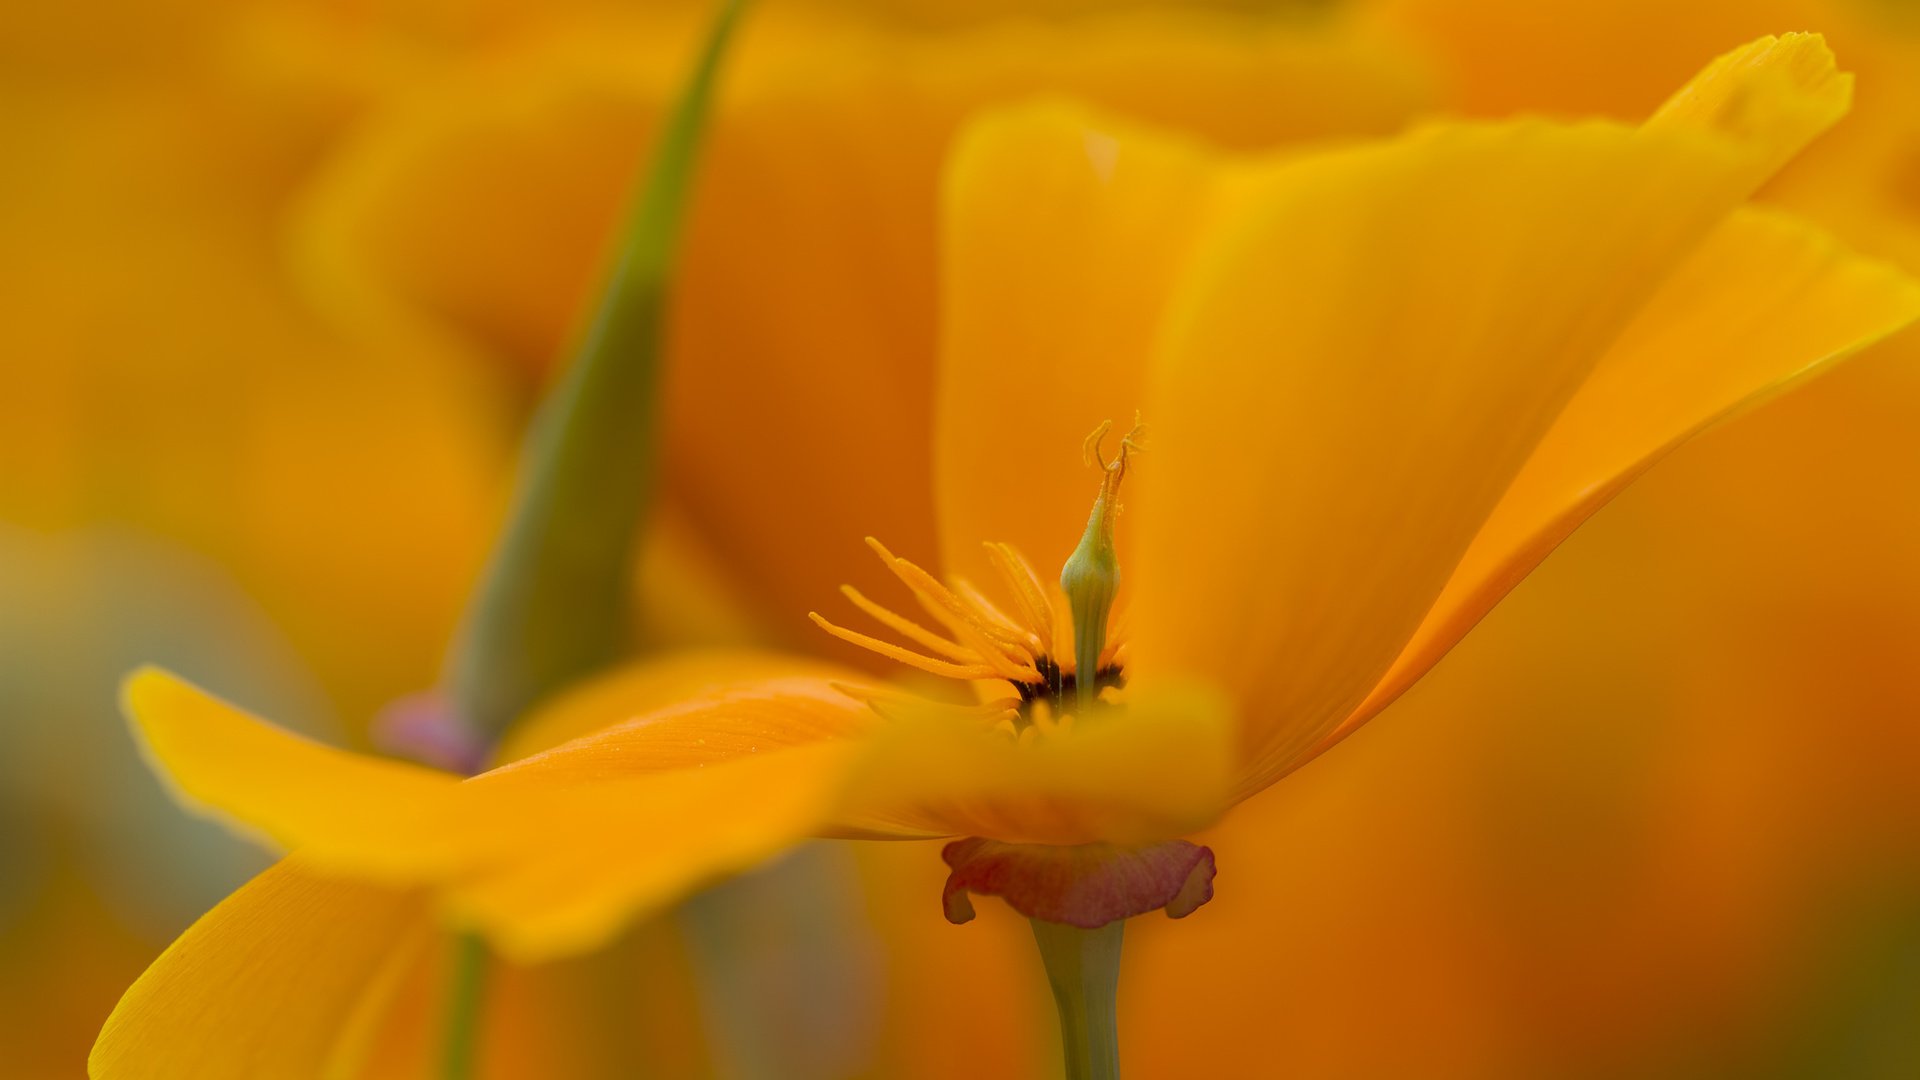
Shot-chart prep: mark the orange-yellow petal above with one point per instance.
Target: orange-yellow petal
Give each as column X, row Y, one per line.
column 285, row 978
column 556, row 851
column 1363, row 363
column 588, row 859
column 1770, row 97
column 288, row 789
column 648, row 686
column 1156, row 770
column 553, row 853
column 1062, row 237
column 1764, row 304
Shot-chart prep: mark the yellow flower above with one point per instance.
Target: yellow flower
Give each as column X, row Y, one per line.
column 1684, row 746
column 1687, row 748
column 1384, row 381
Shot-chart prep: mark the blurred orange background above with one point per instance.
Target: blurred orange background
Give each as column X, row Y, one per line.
column 280, row 282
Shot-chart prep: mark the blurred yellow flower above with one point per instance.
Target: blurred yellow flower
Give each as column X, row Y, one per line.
column 1489, row 330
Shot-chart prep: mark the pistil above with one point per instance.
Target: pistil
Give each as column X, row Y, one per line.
column 1091, row 577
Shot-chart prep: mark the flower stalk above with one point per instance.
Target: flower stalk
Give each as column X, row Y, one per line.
column 553, row 605
column 1083, row 968
column 460, row 1027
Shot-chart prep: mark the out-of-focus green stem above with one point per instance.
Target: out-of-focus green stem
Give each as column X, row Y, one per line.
column 552, row 606
column 1083, row 967
column 460, row 1023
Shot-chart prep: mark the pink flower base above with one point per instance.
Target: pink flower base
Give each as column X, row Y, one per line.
column 1087, row 886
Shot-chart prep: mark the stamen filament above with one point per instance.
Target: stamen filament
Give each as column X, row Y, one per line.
column 906, row 627
column 968, row 591
column 1027, row 591
column 928, row 588
column 905, row 656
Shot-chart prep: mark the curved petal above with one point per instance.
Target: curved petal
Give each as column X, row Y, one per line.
column 1771, row 96
column 1764, row 304
column 1154, row 771
column 283, row 979
column 269, row 782
column 631, row 818
column 1401, row 324
column 556, row 851
column 553, row 853
column 1619, row 59
column 588, row 859
column 1062, row 237
column 668, row 681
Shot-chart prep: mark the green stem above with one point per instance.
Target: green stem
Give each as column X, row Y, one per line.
column 553, row 604
column 460, row 1029
column 1083, row 967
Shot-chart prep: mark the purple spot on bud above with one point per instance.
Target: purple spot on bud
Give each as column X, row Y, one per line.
column 425, row 728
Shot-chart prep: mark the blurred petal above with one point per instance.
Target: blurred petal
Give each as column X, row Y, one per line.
column 1151, row 772
column 1453, row 290
column 644, row 729
column 1765, row 303
column 587, row 859
column 1772, row 97
column 1063, row 237
column 556, row 851
column 553, row 853
column 649, row 686
column 294, row 791
column 285, row 978
column 1499, row 57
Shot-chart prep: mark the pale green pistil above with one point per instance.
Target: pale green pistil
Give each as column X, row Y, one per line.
column 1091, row 577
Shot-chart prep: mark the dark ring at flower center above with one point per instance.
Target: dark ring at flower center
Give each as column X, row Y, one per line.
column 1057, row 688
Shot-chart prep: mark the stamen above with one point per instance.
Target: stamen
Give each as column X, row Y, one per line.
column 905, row 656
column 973, row 634
column 1028, row 593
column 987, row 645
column 966, row 590
column 906, row 627
column 940, row 599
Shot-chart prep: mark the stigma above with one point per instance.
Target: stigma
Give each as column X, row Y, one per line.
column 1091, row 577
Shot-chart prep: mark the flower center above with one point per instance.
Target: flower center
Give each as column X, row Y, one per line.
column 1040, row 644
